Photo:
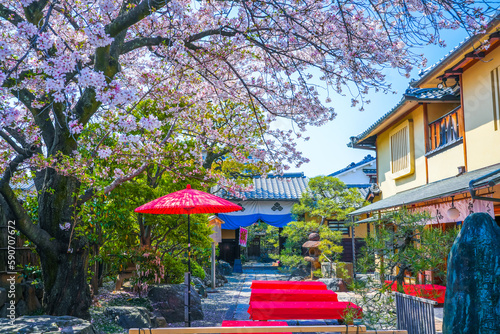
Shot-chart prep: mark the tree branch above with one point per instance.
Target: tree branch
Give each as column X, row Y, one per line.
column 210, row 32
column 11, row 142
column 133, row 16
column 23, row 222
column 154, row 41
column 86, row 106
column 17, row 135
column 10, row 15
column 142, row 42
column 43, row 122
column 68, row 17
column 92, row 191
column 40, row 237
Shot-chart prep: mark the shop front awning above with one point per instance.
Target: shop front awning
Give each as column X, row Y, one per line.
column 443, row 188
column 369, row 220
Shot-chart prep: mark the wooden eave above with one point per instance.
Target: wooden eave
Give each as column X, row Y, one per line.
column 407, row 107
column 470, row 59
column 456, row 57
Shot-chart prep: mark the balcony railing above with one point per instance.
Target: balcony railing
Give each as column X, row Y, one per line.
column 445, row 130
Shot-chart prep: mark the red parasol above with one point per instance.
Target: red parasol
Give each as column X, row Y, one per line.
column 187, row 202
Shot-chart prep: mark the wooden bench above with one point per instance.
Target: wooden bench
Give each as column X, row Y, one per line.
column 264, row 329
column 237, row 323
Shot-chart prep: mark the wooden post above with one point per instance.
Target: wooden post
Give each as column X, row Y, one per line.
column 213, row 265
column 353, row 249
column 461, row 122
column 427, row 145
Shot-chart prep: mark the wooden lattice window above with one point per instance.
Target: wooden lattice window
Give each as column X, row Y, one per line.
column 445, row 130
column 336, row 225
column 401, row 144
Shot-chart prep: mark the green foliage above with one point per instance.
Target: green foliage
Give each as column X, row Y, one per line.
column 197, row 270
column 330, row 244
column 117, row 233
column 327, row 198
column 31, row 272
column 435, row 246
column 402, row 241
column 269, row 239
column 149, row 271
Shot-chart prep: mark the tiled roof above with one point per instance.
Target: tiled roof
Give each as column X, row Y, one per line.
column 442, row 188
column 289, row 186
column 424, row 72
column 363, row 189
column 414, row 94
column 359, row 186
column 432, row 93
column 352, row 165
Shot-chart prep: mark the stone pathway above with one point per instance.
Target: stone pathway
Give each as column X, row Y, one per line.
column 257, row 271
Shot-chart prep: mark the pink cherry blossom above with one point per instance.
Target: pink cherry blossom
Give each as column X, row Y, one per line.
column 95, row 92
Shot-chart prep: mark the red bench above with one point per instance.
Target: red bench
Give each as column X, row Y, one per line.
column 301, row 310
column 307, row 285
column 292, row 295
column 430, row 291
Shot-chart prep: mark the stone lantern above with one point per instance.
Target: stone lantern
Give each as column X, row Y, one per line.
column 313, row 251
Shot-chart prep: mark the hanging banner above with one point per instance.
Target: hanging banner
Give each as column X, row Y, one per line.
column 243, row 236
column 439, row 212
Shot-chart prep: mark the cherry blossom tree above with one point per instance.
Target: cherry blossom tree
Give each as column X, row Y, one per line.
column 73, row 72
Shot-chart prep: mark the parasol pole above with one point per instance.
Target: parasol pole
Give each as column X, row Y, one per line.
column 188, row 315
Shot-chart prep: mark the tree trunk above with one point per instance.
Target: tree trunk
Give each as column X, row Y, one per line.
column 145, row 232
column 94, row 282
column 66, row 291
column 64, row 266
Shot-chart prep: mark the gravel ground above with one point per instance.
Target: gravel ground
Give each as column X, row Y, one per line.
column 230, row 302
column 218, row 305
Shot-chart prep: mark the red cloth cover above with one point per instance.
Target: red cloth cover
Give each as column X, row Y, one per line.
column 300, row 310
column 307, row 285
column 292, row 295
column 429, row 291
column 235, row 323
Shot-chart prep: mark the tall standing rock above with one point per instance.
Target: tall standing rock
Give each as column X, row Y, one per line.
column 472, row 303
column 168, row 301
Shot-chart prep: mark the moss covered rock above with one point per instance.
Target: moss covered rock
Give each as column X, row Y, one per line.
column 472, row 302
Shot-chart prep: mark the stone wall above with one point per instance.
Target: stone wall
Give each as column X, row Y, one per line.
column 28, row 299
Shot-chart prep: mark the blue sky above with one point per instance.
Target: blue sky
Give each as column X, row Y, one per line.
column 327, row 148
